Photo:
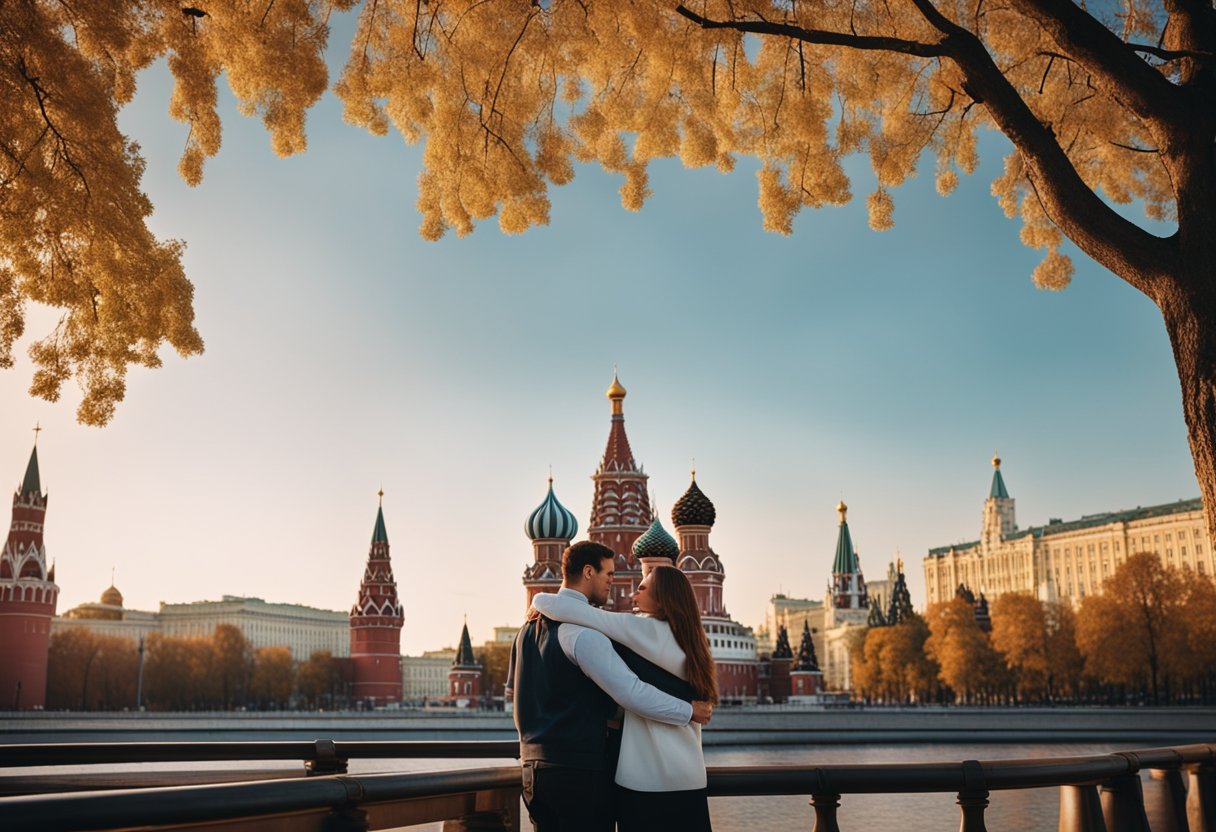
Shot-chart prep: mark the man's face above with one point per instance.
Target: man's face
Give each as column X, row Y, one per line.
column 599, row 584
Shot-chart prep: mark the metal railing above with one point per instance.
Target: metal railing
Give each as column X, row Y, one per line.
column 1097, row 792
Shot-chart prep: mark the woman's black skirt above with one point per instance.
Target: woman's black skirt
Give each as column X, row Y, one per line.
column 686, row 811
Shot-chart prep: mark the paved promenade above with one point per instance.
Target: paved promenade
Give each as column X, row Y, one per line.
column 731, row 726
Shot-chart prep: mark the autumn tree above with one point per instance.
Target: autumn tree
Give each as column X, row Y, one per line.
column 969, row 664
column 319, row 680
column 1132, row 634
column 89, row 671
column 231, row 665
column 1199, row 625
column 177, row 673
column 273, row 678
column 494, row 658
column 1104, row 104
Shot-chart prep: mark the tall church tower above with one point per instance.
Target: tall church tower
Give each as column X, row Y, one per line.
column 999, row 520
column 550, row 527
column 732, row 645
column 620, row 510
column 28, row 596
column 375, row 625
column 847, row 595
column 694, row 516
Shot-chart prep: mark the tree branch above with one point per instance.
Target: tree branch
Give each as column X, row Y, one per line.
column 764, row 27
column 1120, row 72
column 1116, row 243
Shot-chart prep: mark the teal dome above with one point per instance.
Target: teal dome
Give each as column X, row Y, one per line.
column 655, row 542
column 551, row 520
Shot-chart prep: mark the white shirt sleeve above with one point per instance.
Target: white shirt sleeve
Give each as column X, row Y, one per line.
column 592, row 653
column 650, row 638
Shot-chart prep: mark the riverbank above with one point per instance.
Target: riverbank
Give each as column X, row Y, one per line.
column 730, row 727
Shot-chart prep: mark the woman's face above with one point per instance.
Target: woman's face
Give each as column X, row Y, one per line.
column 644, row 600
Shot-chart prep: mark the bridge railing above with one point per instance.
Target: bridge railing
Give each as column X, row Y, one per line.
column 1097, row 792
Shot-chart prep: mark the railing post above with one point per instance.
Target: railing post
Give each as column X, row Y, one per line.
column 325, row 759
column 973, row 799
column 1201, row 798
column 825, row 805
column 346, row 819
column 1123, row 804
column 1080, row 809
column 1173, row 813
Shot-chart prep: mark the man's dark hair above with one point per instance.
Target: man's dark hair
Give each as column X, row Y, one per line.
column 584, row 553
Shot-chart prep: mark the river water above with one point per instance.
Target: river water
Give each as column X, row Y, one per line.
column 1022, row 810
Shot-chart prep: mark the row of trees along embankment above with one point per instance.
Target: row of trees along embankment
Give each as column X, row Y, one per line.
column 1150, row 637
column 223, row 671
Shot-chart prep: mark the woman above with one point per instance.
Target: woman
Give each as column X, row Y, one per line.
column 660, row 777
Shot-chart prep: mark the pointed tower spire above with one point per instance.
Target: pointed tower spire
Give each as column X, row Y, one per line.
column 999, row 516
column 32, row 484
column 375, row 624
column 848, row 586
column 379, row 532
column 620, row 509
column 28, row 597
column 998, row 489
column 464, row 654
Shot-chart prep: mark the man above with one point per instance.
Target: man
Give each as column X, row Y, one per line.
column 567, row 681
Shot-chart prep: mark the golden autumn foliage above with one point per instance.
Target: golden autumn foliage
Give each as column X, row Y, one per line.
column 1134, row 632
column 1100, row 104
column 87, row 671
column 969, row 664
column 889, row 663
column 1037, row 642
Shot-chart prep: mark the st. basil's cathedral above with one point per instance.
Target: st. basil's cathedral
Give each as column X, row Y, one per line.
column 623, row 520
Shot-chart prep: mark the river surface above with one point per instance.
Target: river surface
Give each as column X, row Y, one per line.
column 1022, row 810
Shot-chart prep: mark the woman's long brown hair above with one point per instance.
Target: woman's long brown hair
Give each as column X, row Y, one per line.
column 678, row 607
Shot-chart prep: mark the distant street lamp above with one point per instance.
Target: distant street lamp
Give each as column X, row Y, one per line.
column 139, row 680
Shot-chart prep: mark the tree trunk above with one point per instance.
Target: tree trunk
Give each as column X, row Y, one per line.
column 1188, row 306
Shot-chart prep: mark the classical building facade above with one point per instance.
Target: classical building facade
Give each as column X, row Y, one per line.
column 1064, row 560
column 375, row 625
column 28, row 597
column 303, row 630
column 425, row 677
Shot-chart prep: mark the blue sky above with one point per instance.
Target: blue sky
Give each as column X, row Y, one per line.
column 344, row 352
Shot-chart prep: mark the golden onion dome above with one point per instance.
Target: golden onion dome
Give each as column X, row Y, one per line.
column 996, row 461
column 616, row 391
column 842, row 508
column 112, row 597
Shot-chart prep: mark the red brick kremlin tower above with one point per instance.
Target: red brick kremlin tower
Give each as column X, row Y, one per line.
column 550, row 527
column 28, row 596
column 375, row 626
column 620, row 510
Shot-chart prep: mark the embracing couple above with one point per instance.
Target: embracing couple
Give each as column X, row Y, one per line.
column 574, row 667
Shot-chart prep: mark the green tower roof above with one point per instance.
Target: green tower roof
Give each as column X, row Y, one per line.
column 31, row 484
column 380, row 534
column 846, row 557
column 464, row 655
column 998, row 486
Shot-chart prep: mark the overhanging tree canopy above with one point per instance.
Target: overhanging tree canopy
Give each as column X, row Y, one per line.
column 1104, row 104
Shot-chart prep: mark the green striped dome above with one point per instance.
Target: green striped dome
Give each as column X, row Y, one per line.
column 551, row 520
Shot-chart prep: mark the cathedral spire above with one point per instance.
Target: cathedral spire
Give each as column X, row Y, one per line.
column 846, row 557
column 618, row 456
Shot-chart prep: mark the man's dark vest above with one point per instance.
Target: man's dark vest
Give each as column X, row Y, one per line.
column 561, row 714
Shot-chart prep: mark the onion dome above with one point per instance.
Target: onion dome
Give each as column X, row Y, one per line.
column 655, row 542
column 112, row 597
column 694, row 508
column 551, row 520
